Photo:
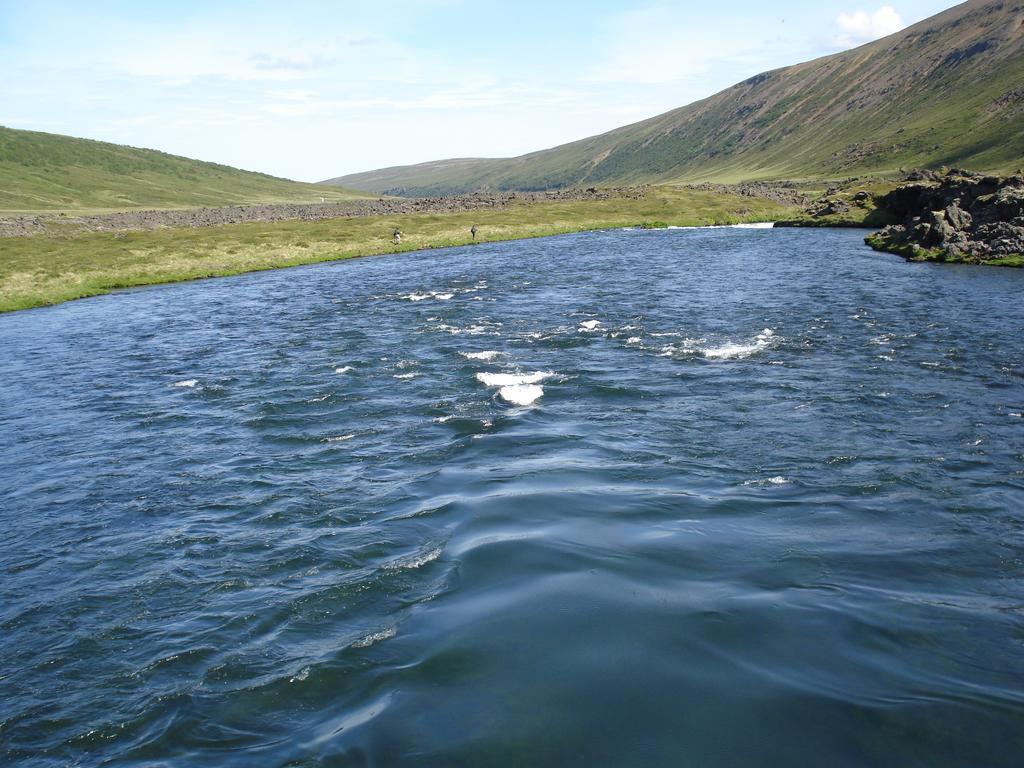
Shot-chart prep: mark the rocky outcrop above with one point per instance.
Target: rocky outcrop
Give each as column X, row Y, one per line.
column 782, row 192
column 956, row 217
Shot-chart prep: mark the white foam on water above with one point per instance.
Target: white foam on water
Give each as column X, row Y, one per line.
column 486, row 356
column 318, row 399
column 1017, row 415
column 414, row 561
column 513, row 379
column 521, row 394
column 302, row 675
column 633, row 340
column 751, row 225
column 406, row 376
column 439, row 295
column 738, row 351
column 343, row 369
column 338, row 439
column 187, row 383
column 763, row 482
column 590, row 325
column 443, row 419
column 473, row 330
column 375, row 637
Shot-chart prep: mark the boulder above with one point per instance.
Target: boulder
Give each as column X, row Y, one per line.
column 1010, row 203
column 957, row 217
column 830, row 207
column 1003, row 238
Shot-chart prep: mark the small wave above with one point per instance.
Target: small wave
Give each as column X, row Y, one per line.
column 338, row 439
column 406, row 375
column 473, row 330
column 186, row 383
column 486, row 356
column 439, row 295
column 633, row 340
column 513, row 379
column 768, row 481
column 521, row 394
column 413, row 561
column 739, row 351
column 343, row 369
column 375, row 637
column 590, row 325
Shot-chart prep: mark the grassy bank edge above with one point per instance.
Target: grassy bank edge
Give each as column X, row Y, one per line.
column 914, row 252
column 42, row 271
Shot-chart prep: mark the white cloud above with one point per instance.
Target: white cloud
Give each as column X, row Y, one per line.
column 863, row 27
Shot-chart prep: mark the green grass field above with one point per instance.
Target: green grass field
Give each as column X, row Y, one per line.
column 48, row 269
column 47, row 172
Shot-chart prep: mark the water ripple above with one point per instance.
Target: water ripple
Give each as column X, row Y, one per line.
column 710, row 497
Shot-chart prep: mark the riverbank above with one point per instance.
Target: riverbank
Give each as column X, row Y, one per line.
column 68, row 223
column 56, row 266
column 958, row 218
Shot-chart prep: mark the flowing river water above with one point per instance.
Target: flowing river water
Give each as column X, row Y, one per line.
column 718, row 497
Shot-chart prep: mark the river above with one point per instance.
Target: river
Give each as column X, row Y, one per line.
column 713, row 497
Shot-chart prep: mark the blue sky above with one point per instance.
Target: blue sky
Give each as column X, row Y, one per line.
column 310, row 90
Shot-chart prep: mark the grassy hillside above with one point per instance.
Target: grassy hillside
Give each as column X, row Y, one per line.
column 43, row 171
column 946, row 91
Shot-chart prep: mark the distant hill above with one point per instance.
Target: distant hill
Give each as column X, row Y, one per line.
column 45, row 171
column 946, row 91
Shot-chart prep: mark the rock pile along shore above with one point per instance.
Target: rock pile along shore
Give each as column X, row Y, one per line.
column 956, row 217
column 37, row 224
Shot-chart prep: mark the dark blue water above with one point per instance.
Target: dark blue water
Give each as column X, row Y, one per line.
column 761, row 502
